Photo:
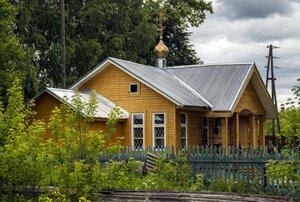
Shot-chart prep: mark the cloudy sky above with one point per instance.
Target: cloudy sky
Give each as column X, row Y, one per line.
column 240, row 30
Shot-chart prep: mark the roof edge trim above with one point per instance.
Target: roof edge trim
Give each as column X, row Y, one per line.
column 251, row 69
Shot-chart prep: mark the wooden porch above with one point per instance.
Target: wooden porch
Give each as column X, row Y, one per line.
column 241, row 129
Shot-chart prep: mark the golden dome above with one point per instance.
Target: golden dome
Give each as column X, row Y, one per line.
column 161, row 50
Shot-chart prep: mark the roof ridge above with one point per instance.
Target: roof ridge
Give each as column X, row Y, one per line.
column 114, row 59
column 207, row 65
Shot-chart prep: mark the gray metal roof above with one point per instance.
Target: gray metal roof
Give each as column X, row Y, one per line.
column 220, row 84
column 159, row 80
column 103, row 107
column 164, row 83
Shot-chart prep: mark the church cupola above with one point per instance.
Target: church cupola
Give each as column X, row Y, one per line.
column 161, row 50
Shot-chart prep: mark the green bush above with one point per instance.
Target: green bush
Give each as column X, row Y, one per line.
column 122, row 175
column 169, row 175
column 254, row 186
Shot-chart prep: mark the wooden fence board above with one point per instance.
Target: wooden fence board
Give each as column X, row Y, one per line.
column 217, row 162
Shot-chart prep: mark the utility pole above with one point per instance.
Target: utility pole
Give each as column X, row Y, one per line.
column 63, row 43
column 270, row 67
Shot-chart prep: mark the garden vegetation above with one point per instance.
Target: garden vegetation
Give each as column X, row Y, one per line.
column 68, row 161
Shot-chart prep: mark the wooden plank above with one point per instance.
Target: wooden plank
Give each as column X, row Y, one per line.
column 236, row 136
column 262, row 131
column 225, row 132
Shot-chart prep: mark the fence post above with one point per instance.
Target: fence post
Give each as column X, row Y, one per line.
column 265, row 178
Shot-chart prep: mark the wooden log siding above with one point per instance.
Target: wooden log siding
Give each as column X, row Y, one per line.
column 250, row 100
column 113, row 84
column 244, row 164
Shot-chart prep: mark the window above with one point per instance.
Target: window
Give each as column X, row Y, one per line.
column 218, row 126
column 205, row 131
column 138, row 130
column 183, row 129
column 159, row 130
column 133, row 88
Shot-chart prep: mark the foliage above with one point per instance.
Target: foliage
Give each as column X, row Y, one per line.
column 289, row 118
column 21, row 149
column 122, row 175
column 254, row 186
column 73, row 148
column 15, row 60
column 101, row 28
column 170, row 175
column 199, row 182
column 71, row 138
column 58, row 197
column 286, row 171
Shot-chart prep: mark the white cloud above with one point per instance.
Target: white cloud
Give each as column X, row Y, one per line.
column 237, row 9
column 243, row 38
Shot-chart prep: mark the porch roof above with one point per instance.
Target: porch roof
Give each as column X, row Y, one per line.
column 220, row 84
column 103, row 107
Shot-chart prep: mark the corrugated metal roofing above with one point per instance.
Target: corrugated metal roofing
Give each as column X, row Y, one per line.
column 163, row 82
column 104, row 106
column 219, row 84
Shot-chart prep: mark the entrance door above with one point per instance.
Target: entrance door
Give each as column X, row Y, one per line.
column 244, row 131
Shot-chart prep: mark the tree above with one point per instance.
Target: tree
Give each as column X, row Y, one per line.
column 15, row 60
column 180, row 15
column 21, row 146
column 289, row 117
column 96, row 29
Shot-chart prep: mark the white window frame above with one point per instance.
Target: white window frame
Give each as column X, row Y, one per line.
column 137, row 88
column 137, row 126
column 159, row 125
column 184, row 125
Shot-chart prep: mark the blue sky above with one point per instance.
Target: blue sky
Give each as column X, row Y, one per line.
column 240, row 30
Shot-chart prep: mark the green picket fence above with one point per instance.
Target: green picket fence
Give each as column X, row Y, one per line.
column 242, row 164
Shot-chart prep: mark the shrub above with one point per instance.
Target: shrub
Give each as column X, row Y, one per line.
column 169, row 175
column 122, row 175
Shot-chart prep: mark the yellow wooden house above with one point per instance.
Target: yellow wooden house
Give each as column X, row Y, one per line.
column 217, row 104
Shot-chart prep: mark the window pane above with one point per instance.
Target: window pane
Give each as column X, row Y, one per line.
column 159, row 132
column 138, row 119
column 159, row 119
column 205, row 121
column 183, row 118
column 159, row 143
column 138, row 132
column 218, row 122
column 138, row 143
column 133, row 88
column 183, row 131
column 183, row 142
